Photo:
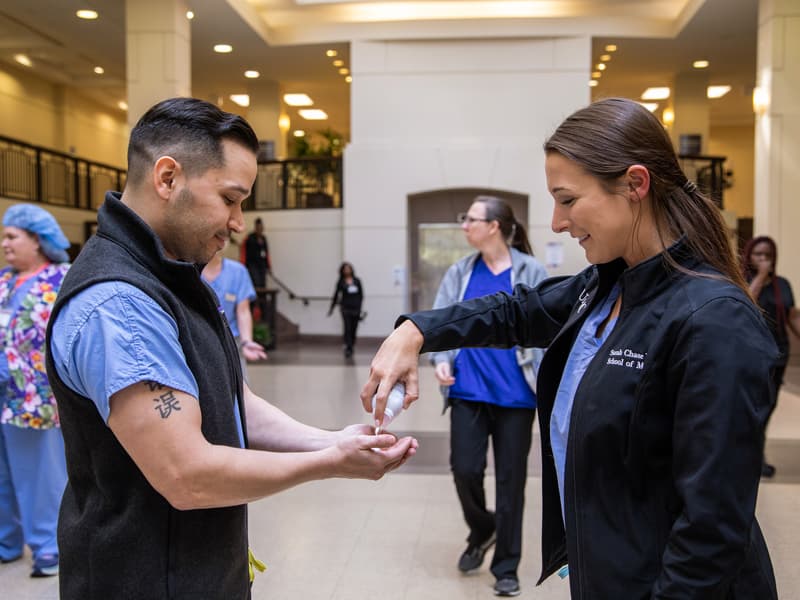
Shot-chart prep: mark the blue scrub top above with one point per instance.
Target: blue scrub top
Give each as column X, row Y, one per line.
column 232, row 286
column 112, row 335
column 490, row 375
column 583, row 351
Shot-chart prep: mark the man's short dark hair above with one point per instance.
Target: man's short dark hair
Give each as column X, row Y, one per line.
column 189, row 130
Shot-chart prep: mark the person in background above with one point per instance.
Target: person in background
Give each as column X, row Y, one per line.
column 654, row 390
column 165, row 443
column 234, row 290
column 349, row 295
column 255, row 255
column 489, row 394
column 774, row 295
column 32, row 468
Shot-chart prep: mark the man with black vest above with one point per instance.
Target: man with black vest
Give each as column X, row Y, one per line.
column 165, row 443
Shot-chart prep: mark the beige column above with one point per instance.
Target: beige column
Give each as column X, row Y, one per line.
column 691, row 108
column 777, row 131
column 158, row 53
column 264, row 113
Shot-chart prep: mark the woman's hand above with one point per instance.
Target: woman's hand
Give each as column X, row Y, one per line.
column 396, row 360
column 444, row 374
column 253, row 351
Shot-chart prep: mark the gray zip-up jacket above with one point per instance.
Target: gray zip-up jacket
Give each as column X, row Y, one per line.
column 524, row 269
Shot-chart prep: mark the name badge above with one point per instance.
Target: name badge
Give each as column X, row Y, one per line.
column 230, row 297
column 5, row 317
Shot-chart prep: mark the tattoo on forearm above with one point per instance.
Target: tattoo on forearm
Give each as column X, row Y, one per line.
column 166, row 403
column 153, row 385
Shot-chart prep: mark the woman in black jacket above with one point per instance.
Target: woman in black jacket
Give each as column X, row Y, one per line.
column 349, row 295
column 654, row 390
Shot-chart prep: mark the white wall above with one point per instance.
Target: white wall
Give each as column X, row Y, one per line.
column 430, row 115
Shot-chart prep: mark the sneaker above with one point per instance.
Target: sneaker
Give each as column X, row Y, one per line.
column 508, row 586
column 472, row 558
column 5, row 561
column 45, row 565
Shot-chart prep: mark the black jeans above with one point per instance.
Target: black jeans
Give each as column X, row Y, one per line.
column 471, row 424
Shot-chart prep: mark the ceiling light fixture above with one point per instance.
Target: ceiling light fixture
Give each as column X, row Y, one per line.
column 717, row 91
column 99, row 70
column 605, row 57
column 284, row 122
column 252, row 74
column 656, row 93
column 298, row 100
column 241, row 99
column 596, row 74
column 298, row 133
column 331, row 53
column 338, row 62
column 600, row 67
column 593, row 82
column 344, row 71
column 313, row 114
column 651, row 106
column 223, row 48
column 700, row 64
column 87, row 14
column 23, row 60
column 668, row 116
column 189, row 15
column 611, row 48
column 122, row 104
column 348, row 79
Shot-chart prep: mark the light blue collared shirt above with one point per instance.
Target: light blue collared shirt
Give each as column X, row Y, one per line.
column 583, row 351
column 111, row 336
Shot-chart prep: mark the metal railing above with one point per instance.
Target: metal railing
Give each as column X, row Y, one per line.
column 297, row 183
column 34, row 174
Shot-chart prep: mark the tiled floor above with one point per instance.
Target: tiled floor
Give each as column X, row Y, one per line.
column 399, row 538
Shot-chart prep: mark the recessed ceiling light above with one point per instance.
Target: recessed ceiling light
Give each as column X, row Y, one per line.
column 297, row 100
column 348, row 79
column 593, row 82
column 189, row 15
column 313, row 114
column 668, row 116
column 23, row 60
column 252, row 74
column 611, row 48
column 122, row 104
column 656, row 93
column 223, row 48
column 651, row 106
column 284, row 122
column 700, row 64
column 99, row 70
column 605, row 57
column 344, row 71
column 331, row 53
column 338, row 62
column 86, row 14
column 298, row 133
column 241, row 99
column 717, row 91
column 601, row 66
column 596, row 74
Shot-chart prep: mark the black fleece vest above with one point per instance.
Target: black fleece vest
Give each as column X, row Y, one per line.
column 119, row 538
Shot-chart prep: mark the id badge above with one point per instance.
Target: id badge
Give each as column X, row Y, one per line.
column 5, row 317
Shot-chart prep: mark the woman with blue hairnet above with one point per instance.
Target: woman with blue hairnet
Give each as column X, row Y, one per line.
column 32, row 467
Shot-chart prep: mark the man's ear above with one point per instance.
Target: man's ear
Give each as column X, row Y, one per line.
column 165, row 170
column 638, row 180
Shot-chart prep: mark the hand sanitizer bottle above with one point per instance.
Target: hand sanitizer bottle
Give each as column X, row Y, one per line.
column 394, row 404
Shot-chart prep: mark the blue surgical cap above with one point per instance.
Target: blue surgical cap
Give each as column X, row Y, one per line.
column 37, row 220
